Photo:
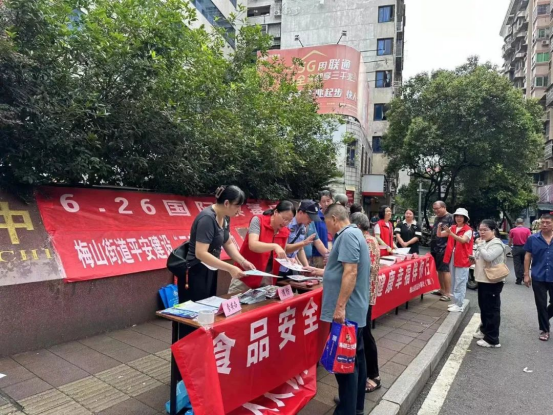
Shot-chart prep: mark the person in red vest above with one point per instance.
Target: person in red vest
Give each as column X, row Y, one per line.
column 266, row 240
column 384, row 231
column 459, row 246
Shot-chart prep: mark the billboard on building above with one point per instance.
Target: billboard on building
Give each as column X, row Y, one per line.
column 345, row 89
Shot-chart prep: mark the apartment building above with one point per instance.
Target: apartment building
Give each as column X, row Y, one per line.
column 526, row 31
column 375, row 28
column 217, row 13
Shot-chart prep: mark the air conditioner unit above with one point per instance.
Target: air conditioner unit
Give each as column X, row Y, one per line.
column 278, row 12
column 544, row 42
column 540, row 184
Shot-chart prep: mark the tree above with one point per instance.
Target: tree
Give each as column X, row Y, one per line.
column 466, row 132
column 129, row 93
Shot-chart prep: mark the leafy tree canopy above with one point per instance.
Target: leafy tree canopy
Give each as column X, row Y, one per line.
column 469, row 135
column 131, row 93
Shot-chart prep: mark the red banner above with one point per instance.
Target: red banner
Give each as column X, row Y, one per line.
column 403, row 282
column 233, row 365
column 104, row 233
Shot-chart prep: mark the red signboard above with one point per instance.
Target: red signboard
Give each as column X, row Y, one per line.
column 345, row 89
column 403, row 282
column 104, row 233
column 231, row 367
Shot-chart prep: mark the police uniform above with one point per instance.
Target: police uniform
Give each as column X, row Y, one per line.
column 408, row 232
column 298, row 233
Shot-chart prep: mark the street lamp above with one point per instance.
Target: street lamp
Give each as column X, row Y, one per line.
column 344, row 33
column 297, row 39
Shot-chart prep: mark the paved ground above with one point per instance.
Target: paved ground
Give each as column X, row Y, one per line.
column 493, row 381
column 127, row 371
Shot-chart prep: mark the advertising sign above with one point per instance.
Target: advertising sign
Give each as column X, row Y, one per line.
column 345, row 89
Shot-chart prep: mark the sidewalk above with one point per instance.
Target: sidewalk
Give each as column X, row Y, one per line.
column 127, row 371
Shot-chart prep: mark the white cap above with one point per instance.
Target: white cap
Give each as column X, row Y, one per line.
column 462, row 212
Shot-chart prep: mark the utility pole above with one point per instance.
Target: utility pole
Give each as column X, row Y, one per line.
column 420, row 191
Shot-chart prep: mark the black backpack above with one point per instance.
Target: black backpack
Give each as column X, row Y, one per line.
column 176, row 263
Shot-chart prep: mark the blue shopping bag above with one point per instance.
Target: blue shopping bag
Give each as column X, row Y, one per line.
column 183, row 401
column 340, row 348
column 169, row 295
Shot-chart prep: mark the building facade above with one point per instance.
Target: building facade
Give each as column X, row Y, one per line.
column 526, row 31
column 217, row 13
column 376, row 29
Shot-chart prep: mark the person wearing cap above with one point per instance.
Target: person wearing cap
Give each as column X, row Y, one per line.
column 308, row 212
column 459, row 247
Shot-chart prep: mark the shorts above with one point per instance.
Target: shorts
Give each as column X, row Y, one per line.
column 441, row 266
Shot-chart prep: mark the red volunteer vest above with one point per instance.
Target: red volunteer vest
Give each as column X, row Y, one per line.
column 462, row 251
column 260, row 261
column 387, row 235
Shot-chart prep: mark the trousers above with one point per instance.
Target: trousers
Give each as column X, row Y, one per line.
column 351, row 386
column 518, row 261
column 545, row 312
column 489, row 301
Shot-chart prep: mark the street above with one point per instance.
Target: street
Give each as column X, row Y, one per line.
column 493, row 381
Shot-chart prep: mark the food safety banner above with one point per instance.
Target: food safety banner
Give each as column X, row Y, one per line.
column 259, row 362
column 103, row 233
column 399, row 283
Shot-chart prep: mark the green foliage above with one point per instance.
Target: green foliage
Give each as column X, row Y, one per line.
column 132, row 93
column 469, row 133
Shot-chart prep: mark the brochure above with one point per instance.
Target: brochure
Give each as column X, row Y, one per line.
column 290, row 265
column 214, row 302
column 258, row 273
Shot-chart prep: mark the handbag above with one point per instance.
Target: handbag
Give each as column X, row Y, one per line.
column 497, row 272
column 177, row 263
column 340, row 348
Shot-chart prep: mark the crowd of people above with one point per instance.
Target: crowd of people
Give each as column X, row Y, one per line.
column 333, row 240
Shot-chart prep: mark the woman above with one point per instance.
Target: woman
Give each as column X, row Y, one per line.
column 265, row 240
column 371, row 352
column 384, row 231
column 408, row 233
column 354, row 208
column 490, row 252
column 210, row 232
column 459, row 247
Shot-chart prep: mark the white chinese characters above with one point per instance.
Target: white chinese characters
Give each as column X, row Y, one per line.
column 258, row 350
column 286, row 322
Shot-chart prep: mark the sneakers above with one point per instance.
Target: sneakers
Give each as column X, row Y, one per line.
column 478, row 335
column 455, row 308
column 484, row 343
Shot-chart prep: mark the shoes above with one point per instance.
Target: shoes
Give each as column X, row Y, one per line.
column 437, row 292
column 455, row 308
column 445, row 298
column 518, row 283
column 484, row 343
column 478, row 335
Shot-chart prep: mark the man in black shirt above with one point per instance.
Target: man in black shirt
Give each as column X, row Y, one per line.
column 438, row 243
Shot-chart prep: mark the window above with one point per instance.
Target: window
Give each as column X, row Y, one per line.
column 385, row 14
column 350, row 154
column 542, row 57
column 541, row 81
column 385, row 47
column 542, row 33
column 259, row 11
column 367, row 164
column 214, row 16
column 543, row 9
column 383, row 79
column 362, row 159
column 380, row 112
column 376, row 145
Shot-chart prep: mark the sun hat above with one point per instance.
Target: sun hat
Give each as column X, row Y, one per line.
column 462, row 212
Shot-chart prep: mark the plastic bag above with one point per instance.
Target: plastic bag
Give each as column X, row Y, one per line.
column 169, row 295
column 183, row 401
column 340, row 349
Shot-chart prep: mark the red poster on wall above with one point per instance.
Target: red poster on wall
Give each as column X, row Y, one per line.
column 104, row 233
column 259, row 360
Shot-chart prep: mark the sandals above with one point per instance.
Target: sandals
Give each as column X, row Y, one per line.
column 445, row 298
column 371, row 388
column 544, row 336
column 437, row 292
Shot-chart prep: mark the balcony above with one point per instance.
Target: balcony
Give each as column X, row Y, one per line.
column 545, row 193
column 548, row 152
column 520, row 73
column 507, row 48
column 549, row 98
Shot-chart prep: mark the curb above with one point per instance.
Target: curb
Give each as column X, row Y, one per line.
column 407, row 387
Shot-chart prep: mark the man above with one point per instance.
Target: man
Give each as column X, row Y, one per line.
column 298, row 239
column 539, row 252
column 346, row 296
column 438, row 244
column 324, row 202
column 517, row 239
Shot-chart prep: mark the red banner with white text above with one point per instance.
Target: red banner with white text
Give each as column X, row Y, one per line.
column 104, row 233
column 255, row 359
column 404, row 281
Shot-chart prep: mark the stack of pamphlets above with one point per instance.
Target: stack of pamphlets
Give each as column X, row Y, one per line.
column 252, row 296
column 190, row 309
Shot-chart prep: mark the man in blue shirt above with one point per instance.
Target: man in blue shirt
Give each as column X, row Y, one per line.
column 322, row 231
column 539, row 252
column 308, row 213
column 346, row 296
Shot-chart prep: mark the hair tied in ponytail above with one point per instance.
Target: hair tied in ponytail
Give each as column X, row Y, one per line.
column 219, row 191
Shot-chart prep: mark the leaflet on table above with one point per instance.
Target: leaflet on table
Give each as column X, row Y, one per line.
column 173, row 311
column 402, row 251
column 301, row 278
column 212, row 301
column 258, row 273
column 195, row 307
column 290, row 265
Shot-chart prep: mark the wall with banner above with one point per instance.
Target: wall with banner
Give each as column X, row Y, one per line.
column 105, row 233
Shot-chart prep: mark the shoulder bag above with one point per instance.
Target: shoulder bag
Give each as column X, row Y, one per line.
column 497, row 272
